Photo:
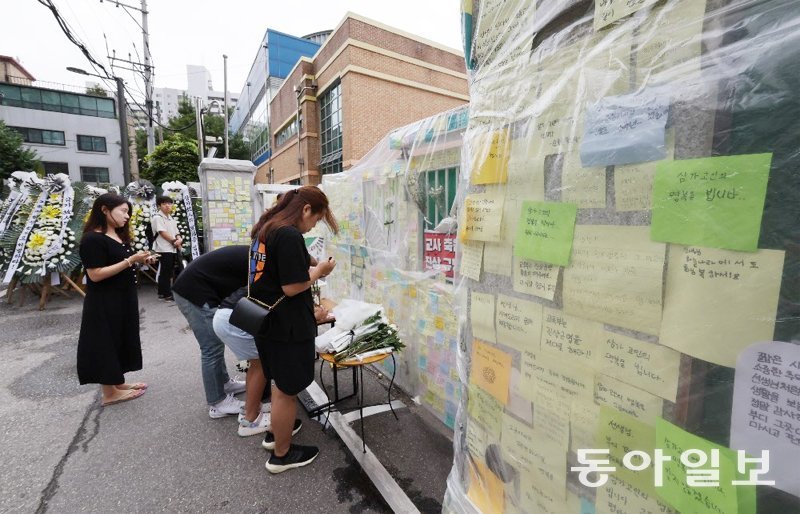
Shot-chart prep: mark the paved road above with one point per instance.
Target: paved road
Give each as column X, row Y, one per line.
column 162, row 453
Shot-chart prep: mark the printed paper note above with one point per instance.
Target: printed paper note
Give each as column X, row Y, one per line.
column 625, row 398
column 491, row 370
column 620, row 433
column 766, row 409
column 618, row 496
column 572, row 338
column 625, row 129
column 718, row 302
column 615, row 277
column 491, row 159
column 651, row 367
column 518, row 323
column 483, row 217
column 482, row 316
column 535, row 278
column 545, row 232
column 471, row 259
column 715, row 201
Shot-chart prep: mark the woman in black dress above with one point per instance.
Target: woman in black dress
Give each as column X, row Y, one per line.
column 109, row 344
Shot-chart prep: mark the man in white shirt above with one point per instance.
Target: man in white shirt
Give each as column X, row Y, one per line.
column 167, row 243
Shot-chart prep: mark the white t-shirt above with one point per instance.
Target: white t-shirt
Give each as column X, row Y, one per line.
column 162, row 222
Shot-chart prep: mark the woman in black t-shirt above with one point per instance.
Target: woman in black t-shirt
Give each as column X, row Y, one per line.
column 282, row 268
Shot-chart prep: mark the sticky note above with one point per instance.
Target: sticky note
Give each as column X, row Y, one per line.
column 497, row 258
column 535, row 278
column 471, row 259
column 525, row 170
column 491, row 370
column 485, row 489
column 718, row 302
column 482, row 315
column 620, row 434
column 572, row 338
column 715, row 201
column 615, row 277
column 651, row 367
column 609, row 11
column 625, row 398
column 585, row 187
column 483, row 217
column 551, row 415
column 619, row 496
column 539, row 370
column 584, row 416
column 545, row 232
column 544, row 462
column 486, row 410
column 477, row 439
column 491, row 158
column 633, row 183
column 518, row 322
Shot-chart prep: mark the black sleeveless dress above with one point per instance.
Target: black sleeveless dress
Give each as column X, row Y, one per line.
column 109, row 344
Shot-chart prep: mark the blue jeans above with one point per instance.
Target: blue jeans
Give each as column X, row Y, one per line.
column 212, row 350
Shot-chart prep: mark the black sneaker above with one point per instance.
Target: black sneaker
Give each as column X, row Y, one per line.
column 296, row 457
column 269, row 439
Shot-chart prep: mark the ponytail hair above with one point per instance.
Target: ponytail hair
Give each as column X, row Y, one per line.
column 289, row 210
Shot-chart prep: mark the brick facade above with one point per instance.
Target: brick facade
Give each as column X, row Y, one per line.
column 388, row 79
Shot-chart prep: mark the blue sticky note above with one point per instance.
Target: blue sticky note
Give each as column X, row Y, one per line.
column 625, row 129
column 587, row 507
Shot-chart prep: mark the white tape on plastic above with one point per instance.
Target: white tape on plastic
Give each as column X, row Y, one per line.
column 187, row 205
column 19, row 249
column 13, row 203
column 67, row 198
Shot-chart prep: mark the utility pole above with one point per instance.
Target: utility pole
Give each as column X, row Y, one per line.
column 158, row 116
column 225, row 115
column 199, row 117
column 123, row 131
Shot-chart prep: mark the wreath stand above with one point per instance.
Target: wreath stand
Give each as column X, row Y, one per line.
column 43, row 290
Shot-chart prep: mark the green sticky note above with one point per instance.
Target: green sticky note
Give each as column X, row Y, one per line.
column 620, row 433
column 483, row 407
column 715, row 201
column 545, row 231
column 676, row 490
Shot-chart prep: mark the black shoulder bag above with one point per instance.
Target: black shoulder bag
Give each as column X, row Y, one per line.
column 251, row 314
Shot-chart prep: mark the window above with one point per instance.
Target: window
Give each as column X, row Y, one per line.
column 295, row 182
column 440, row 189
column 91, row 143
column 92, row 174
column 331, row 130
column 40, row 136
column 286, row 133
column 58, row 101
column 51, row 168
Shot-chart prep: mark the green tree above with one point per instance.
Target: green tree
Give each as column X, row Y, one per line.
column 141, row 147
column 237, row 148
column 14, row 156
column 96, row 90
column 174, row 159
column 184, row 123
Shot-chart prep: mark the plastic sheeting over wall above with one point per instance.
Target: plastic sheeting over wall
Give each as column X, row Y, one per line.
column 629, row 251
column 392, row 249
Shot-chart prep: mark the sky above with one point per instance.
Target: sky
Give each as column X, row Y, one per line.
column 194, row 32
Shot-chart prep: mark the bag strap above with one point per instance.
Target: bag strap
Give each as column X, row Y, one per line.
column 250, row 275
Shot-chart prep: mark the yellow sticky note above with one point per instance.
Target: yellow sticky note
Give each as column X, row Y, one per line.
column 609, row 11
column 625, row 398
column 518, row 322
column 525, row 170
column 651, row 367
column 551, row 414
column 477, row 439
column 497, row 258
column 633, row 183
column 535, row 278
column 491, row 159
column 491, row 370
column 585, row 187
column 620, row 434
column 584, row 416
column 486, row 410
column 574, row 339
column 541, row 460
column 615, row 277
column 718, row 302
column 618, row 496
column 482, row 316
column 485, row 489
column 540, row 370
column 533, row 497
column 483, row 217
column 471, row 259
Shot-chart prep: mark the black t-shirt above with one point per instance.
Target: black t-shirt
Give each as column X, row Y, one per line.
column 213, row 276
column 231, row 300
column 98, row 251
column 282, row 261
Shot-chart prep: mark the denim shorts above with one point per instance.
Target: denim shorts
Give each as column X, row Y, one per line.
column 240, row 342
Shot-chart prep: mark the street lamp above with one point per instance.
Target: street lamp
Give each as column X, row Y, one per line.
column 123, row 122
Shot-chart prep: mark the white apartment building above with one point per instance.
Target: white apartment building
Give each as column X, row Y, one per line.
column 198, row 79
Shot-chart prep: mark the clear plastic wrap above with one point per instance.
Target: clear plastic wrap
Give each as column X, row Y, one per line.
column 627, row 212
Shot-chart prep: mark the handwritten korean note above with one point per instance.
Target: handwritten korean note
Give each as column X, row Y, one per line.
column 540, row 371
column 477, row 439
column 497, row 258
column 482, row 315
column 619, row 496
column 486, row 410
column 625, row 129
column 620, row 434
column 633, row 183
column 718, row 302
column 584, row 416
column 525, row 170
column 585, row 187
column 483, row 217
column 766, row 409
column 536, row 498
column 491, row 370
column 471, row 259
column 491, row 159
column 535, row 278
column 545, row 232
column 544, row 462
column 551, row 415
column 675, row 492
column 625, row 398
column 651, row 367
column 715, row 201
column 615, row 277
column 518, row 323
column 609, row 11
column 574, row 339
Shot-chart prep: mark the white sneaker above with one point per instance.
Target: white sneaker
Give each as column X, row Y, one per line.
column 228, row 406
column 259, row 426
column 265, row 407
column 234, row 386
